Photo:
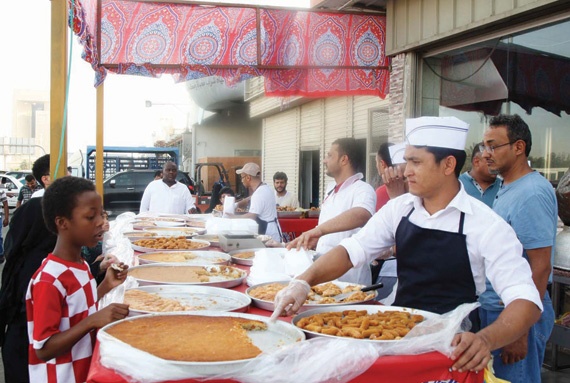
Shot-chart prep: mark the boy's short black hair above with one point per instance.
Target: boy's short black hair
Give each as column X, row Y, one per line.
column 61, row 198
column 41, row 168
column 158, row 173
column 29, row 178
column 227, row 190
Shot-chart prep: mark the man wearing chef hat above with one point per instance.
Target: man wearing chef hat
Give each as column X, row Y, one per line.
column 446, row 245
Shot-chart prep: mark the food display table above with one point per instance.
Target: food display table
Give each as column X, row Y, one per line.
column 427, row 367
column 294, row 227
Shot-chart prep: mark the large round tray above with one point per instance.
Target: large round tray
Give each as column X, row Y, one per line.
column 371, row 310
column 268, row 305
column 249, row 261
column 175, row 231
column 218, row 281
column 204, row 257
column 277, row 335
column 211, row 298
column 202, row 245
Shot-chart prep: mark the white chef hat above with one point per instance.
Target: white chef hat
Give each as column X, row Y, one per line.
column 397, row 153
column 441, row 132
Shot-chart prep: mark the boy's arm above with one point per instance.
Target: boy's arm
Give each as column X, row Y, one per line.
column 113, row 278
column 61, row 342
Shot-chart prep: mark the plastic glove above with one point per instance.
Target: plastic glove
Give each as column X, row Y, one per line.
column 291, row 298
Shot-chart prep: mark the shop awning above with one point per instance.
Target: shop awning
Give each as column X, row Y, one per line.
column 481, row 80
column 305, row 53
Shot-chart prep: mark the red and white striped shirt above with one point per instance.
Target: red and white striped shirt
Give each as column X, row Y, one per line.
column 59, row 296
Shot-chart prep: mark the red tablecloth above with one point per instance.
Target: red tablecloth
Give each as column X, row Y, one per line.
column 387, row 369
column 294, row 227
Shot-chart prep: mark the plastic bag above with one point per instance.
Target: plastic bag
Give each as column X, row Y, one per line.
column 318, row 360
column 433, row 334
column 296, row 262
column 489, row 377
column 313, row 361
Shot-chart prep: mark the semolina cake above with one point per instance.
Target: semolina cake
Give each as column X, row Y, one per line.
column 191, row 338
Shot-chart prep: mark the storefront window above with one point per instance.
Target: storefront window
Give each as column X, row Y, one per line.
column 527, row 74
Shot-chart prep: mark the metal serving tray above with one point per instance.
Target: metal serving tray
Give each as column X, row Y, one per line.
column 214, row 239
column 217, row 281
column 371, row 309
column 277, row 335
column 268, row 305
column 203, row 257
column 202, row 245
column 211, row 298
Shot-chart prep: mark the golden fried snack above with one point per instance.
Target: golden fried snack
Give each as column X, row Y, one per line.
column 388, row 325
column 169, row 243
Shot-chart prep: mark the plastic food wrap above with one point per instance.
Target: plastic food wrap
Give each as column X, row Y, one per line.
column 318, row 360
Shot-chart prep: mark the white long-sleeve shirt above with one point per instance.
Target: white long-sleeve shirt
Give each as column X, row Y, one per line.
column 493, row 247
column 158, row 197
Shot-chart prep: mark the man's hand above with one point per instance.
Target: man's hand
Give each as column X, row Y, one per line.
column 516, row 351
column 472, row 353
column 307, row 240
column 290, row 299
column 393, row 178
column 6, row 221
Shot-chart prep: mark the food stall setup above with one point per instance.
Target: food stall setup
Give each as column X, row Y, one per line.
column 197, row 312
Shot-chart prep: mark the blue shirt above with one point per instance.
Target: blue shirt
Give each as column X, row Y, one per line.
column 475, row 190
column 529, row 206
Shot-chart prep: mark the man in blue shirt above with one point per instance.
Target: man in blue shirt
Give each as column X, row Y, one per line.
column 527, row 202
column 479, row 182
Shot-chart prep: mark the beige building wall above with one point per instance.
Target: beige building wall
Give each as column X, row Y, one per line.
column 414, row 23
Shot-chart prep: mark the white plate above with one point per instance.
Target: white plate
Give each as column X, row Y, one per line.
column 216, row 281
column 202, row 245
column 175, row 231
column 268, row 305
column 371, row 309
column 277, row 335
column 202, row 257
column 211, row 298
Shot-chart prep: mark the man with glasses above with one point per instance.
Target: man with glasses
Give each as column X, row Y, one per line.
column 447, row 243
column 526, row 200
column 262, row 206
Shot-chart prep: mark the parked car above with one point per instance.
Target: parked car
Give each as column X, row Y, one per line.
column 123, row 191
column 11, row 186
column 19, row 173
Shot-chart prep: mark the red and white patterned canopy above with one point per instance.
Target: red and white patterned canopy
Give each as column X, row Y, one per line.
column 307, row 53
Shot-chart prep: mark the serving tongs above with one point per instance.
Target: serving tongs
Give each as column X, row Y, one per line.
column 341, row 297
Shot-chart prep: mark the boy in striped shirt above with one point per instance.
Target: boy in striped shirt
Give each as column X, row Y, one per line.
column 61, row 301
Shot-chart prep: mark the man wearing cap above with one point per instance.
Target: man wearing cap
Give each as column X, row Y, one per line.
column 262, row 206
column 348, row 205
column 447, row 243
column 479, row 182
column 526, row 200
column 167, row 195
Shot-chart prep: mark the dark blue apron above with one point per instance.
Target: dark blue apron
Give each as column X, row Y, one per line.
column 434, row 272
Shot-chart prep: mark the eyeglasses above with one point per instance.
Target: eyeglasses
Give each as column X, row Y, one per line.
column 491, row 149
